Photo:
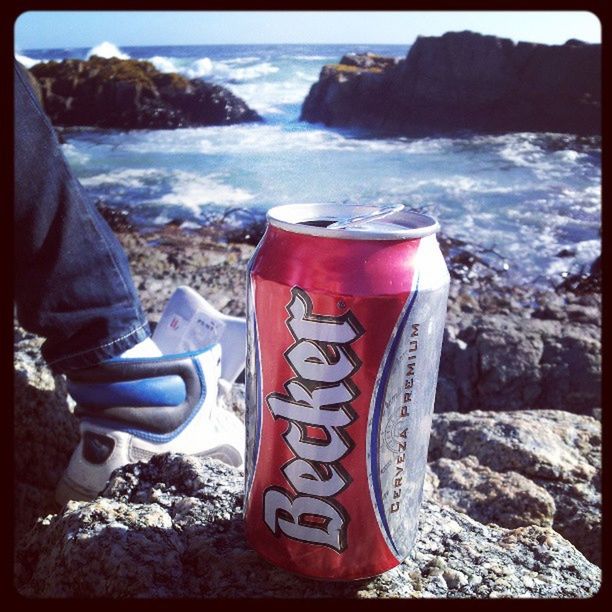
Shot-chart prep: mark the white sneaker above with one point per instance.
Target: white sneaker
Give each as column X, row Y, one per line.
column 189, row 322
column 132, row 409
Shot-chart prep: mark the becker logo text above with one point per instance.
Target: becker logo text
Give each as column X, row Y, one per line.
column 317, row 408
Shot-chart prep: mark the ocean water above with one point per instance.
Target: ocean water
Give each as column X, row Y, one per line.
column 525, row 197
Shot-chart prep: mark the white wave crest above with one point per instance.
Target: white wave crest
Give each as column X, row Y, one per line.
column 521, row 152
column 242, row 60
column 74, row 155
column 258, row 138
column 170, row 187
column 163, row 64
column 194, row 191
column 252, row 72
column 459, row 184
column 28, row 62
column 265, row 97
column 223, row 70
column 309, row 58
column 200, row 68
column 129, row 178
column 107, row 49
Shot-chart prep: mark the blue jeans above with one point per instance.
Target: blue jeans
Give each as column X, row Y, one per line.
column 72, row 280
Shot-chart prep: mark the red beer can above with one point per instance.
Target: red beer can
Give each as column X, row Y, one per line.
column 346, row 309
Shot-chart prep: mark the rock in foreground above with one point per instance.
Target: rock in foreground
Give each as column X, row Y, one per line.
column 127, row 94
column 465, row 81
column 173, row 528
column 540, row 467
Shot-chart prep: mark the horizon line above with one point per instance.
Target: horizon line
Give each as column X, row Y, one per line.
column 229, row 44
column 312, row 44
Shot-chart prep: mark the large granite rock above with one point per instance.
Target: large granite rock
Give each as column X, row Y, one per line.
column 126, row 94
column 173, row 528
column 507, row 467
column 525, row 470
column 465, row 81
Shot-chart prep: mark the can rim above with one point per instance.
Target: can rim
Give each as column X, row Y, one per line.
column 294, row 218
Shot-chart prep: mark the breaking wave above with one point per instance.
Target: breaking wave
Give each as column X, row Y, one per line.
column 28, row 62
column 107, row 49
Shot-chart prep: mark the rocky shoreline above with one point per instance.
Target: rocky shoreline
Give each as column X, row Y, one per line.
column 132, row 94
column 463, row 81
column 513, row 491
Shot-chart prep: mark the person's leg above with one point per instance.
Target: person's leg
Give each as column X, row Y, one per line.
column 72, row 280
column 73, row 286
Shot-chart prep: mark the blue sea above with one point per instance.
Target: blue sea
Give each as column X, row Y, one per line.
column 525, row 196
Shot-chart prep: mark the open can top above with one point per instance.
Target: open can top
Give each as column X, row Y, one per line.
column 353, row 221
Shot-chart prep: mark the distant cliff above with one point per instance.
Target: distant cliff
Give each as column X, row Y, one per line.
column 464, row 81
column 126, row 94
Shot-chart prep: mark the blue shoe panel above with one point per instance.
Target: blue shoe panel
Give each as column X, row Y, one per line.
column 156, row 391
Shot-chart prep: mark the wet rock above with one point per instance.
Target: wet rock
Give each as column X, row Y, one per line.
column 118, row 220
column 129, row 94
column 465, row 81
column 161, row 261
column 368, row 61
column 587, row 281
column 557, row 451
column 173, row 528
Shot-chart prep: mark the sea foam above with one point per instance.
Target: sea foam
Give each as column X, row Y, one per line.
column 28, row 62
column 107, row 49
column 163, row 64
column 194, row 191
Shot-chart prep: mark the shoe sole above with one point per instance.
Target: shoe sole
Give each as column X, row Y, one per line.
column 67, row 490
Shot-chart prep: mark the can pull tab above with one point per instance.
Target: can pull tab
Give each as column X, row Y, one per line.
column 385, row 211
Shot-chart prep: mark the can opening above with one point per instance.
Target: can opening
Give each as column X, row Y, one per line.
column 363, row 222
column 318, row 223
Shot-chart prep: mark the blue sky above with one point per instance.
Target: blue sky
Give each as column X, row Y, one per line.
column 59, row 29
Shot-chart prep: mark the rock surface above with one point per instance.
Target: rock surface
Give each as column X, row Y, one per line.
column 45, row 432
column 173, row 528
column 517, row 459
column 127, row 94
column 507, row 499
column 511, row 362
column 465, row 81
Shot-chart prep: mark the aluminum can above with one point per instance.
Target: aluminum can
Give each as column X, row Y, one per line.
column 345, row 317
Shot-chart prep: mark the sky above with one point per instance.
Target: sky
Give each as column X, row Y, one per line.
column 60, row 29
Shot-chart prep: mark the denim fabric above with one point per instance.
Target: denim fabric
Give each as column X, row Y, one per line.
column 72, row 280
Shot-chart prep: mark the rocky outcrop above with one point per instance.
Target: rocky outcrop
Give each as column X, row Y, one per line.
column 127, row 94
column 465, row 81
column 506, row 467
column 173, row 528
column 510, row 362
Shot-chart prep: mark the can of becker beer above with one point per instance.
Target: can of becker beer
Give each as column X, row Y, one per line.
column 346, row 309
